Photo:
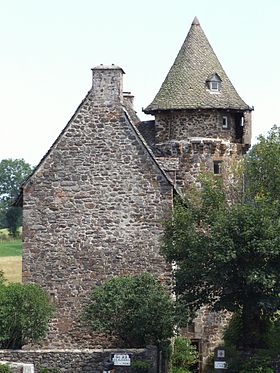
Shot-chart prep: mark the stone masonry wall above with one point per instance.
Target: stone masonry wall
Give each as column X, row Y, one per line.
column 78, row 361
column 182, row 124
column 93, row 209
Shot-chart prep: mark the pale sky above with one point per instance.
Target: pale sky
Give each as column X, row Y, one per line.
column 48, row 48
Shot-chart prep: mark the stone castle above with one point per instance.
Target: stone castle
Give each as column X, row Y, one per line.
column 94, row 206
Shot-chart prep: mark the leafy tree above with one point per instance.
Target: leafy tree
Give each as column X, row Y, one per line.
column 227, row 257
column 137, row 310
column 262, row 167
column 12, row 173
column 25, row 311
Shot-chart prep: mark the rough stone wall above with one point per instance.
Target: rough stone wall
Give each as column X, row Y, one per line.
column 92, row 209
column 78, row 361
column 182, row 124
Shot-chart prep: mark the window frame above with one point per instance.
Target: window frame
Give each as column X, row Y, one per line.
column 217, row 166
column 225, row 124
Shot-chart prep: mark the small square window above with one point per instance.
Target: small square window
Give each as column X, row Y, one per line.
column 225, row 122
column 217, row 167
column 214, row 86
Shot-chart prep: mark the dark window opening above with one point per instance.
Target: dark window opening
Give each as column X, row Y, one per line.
column 225, row 123
column 217, row 167
column 239, row 127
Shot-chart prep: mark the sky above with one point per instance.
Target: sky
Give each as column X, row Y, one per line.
column 48, row 48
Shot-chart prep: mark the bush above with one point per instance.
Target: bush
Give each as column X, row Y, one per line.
column 5, row 369
column 136, row 309
column 254, row 361
column 184, row 355
column 25, row 311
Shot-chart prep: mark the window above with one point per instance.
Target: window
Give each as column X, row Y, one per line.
column 214, row 86
column 225, row 122
column 217, row 167
column 214, row 83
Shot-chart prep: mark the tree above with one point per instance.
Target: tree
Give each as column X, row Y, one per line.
column 227, row 257
column 262, row 167
column 25, row 311
column 12, row 174
column 136, row 309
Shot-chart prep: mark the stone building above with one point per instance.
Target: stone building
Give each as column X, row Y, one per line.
column 94, row 206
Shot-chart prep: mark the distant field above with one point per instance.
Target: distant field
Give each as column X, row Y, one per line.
column 12, row 268
column 10, row 257
column 10, row 248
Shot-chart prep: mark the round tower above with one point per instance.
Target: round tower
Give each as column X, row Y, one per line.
column 199, row 117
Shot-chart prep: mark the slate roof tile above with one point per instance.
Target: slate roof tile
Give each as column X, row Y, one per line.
column 185, row 86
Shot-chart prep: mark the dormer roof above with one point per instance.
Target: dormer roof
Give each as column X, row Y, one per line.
column 186, row 86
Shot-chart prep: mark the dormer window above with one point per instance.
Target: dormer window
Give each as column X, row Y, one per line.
column 214, row 83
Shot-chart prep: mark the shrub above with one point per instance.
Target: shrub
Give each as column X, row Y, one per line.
column 140, row 365
column 184, row 355
column 5, row 369
column 136, row 309
column 25, row 311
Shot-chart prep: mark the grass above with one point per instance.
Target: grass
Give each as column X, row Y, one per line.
column 11, row 248
column 10, row 257
column 12, row 268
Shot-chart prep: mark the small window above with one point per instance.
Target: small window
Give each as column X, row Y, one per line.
column 217, row 167
column 214, row 86
column 214, row 83
column 225, row 123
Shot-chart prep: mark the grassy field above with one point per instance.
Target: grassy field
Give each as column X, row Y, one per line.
column 10, row 248
column 10, row 257
column 11, row 266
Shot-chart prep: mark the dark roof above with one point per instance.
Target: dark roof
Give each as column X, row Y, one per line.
column 148, row 131
column 185, row 86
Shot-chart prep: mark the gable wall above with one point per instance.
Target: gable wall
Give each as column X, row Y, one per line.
column 93, row 209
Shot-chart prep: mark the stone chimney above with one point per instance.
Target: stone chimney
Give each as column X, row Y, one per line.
column 107, row 84
column 128, row 98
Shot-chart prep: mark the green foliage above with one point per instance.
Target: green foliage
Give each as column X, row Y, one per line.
column 5, row 369
column 12, row 173
column 141, row 365
column 262, row 167
column 136, row 309
column 257, row 360
column 24, row 314
column 184, row 355
column 227, row 257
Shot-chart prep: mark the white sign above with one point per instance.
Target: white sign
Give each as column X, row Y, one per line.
column 220, row 365
column 121, row 359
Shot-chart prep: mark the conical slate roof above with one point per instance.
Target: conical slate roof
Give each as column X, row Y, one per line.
column 186, row 84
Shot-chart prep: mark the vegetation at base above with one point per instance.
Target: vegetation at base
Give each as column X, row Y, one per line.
column 4, row 368
column 256, row 360
column 25, row 311
column 228, row 252
column 135, row 309
column 140, row 365
column 184, row 355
